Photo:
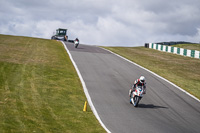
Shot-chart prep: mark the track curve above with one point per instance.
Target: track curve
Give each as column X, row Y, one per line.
column 108, row 79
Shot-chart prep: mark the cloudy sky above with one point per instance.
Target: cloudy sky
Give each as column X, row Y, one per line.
column 104, row 22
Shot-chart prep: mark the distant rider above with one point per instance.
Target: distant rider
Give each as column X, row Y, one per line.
column 138, row 82
column 77, row 39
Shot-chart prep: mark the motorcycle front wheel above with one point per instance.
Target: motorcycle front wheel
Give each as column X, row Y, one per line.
column 136, row 101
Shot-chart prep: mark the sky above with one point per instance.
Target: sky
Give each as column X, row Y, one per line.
column 104, row 22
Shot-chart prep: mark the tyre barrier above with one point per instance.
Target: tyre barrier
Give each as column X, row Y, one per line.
column 174, row 50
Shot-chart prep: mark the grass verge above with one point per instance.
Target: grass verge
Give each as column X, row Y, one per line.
column 40, row 90
column 182, row 71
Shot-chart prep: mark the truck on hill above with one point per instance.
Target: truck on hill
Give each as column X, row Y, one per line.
column 61, row 34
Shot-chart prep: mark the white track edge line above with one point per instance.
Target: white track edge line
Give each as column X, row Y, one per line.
column 154, row 74
column 86, row 90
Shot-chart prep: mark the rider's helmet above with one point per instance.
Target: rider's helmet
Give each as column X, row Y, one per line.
column 142, row 79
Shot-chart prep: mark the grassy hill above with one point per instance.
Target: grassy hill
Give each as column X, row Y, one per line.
column 188, row 46
column 180, row 70
column 39, row 89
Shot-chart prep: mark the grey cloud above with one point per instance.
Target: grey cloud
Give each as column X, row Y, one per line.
column 104, row 22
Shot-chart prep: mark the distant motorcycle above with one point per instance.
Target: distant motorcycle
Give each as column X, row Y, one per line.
column 76, row 43
column 136, row 96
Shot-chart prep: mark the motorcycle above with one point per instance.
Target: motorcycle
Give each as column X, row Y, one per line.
column 136, row 96
column 76, row 43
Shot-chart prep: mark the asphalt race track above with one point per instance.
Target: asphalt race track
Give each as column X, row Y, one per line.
column 164, row 109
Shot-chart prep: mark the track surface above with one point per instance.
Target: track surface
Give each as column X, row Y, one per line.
column 108, row 79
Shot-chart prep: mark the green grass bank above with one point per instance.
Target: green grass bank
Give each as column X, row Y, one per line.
column 188, row 46
column 40, row 90
column 180, row 70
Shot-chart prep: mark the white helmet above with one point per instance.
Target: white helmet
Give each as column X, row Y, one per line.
column 142, row 79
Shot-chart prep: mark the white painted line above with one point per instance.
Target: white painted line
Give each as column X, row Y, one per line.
column 86, row 90
column 155, row 75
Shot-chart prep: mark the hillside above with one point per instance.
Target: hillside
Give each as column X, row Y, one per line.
column 39, row 89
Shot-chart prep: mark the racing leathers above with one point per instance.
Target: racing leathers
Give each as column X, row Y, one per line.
column 138, row 83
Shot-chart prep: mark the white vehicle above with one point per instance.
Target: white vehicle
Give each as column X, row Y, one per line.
column 136, row 96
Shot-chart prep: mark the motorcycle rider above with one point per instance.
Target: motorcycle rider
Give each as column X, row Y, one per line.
column 77, row 39
column 138, row 82
column 76, row 42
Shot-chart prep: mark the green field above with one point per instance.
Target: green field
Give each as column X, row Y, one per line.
column 188, row 46
column 40, row 90
column 180, row 70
